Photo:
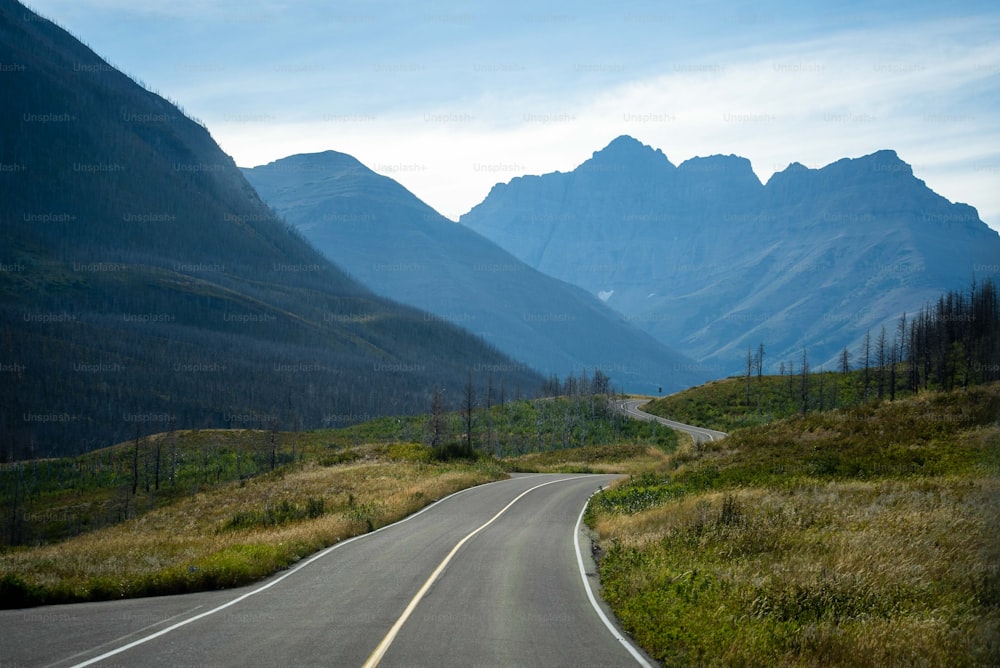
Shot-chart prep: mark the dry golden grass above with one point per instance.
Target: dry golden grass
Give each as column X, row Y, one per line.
column 629, row 460
column 861, row 537
column 891, row 572
column 190, row 545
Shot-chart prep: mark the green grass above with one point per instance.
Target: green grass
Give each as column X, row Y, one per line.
column 858, row 537
column 43, row 501
column 724, row 404
column 232, row 534
column 275, row 514
column 190, row 510
column 863, row 536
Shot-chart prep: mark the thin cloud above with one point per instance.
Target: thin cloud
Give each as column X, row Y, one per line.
column 454, row 99
column 814, row 103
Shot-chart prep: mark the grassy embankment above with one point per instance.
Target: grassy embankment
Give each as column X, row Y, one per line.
column 863, row 536
column 733, row 403
column 866, row 536
column 232, row 533
column 195, row 510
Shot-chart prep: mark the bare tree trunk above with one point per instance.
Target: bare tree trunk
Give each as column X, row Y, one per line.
column 867, row 348
column 156, row 464
column 274, row 444
column 880, row 359
column 468, row 407
column 893, row 361
column 173, row 454
column 437, row 418
column 804, row 389
column 135, row 462
column 489, row 411
column 749, row 373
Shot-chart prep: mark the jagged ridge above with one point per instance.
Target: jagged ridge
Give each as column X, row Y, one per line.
column 711, row 261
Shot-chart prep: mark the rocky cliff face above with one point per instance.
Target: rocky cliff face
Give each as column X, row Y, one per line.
column 711, row 261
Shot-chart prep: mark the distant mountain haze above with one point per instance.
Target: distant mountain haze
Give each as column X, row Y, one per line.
column 145, row 286
column 711, row 261
column 394, row 243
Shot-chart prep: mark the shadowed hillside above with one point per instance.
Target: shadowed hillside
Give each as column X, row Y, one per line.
column 145, row 286
column 400, row 247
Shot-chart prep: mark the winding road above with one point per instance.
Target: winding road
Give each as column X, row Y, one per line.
column 496, row 575
column 631, row 408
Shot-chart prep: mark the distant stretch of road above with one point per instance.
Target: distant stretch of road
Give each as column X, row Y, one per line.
column 496, row 575
column 631, row 408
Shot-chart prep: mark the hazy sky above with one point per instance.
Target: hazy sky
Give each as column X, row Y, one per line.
column 450, row 98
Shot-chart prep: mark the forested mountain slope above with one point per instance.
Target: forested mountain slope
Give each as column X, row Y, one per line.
column 144, row 285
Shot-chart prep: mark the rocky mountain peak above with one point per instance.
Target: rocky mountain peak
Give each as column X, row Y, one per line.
column 626, row 154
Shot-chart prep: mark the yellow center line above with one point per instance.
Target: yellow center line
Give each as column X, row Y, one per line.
column 383, row 646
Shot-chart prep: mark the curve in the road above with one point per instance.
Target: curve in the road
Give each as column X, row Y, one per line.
column 383, row 646
column 319, row 555
column 511, row 596
column 700, row 434
column 618, row 635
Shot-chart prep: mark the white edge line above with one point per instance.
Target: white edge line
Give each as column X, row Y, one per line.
column 640, row 659
column 121, row 638
column 637, row 412
column 319, row 555
column 383, row 647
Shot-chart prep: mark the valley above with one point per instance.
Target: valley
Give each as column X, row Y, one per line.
column 723, row 520
column 625, row 414
column 401, row 248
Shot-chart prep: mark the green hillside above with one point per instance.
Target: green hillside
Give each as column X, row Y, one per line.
column 863, row 536
column 724, row 405
column 199, row 509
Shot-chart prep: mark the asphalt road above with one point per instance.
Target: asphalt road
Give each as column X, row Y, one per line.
column 497, row 575
column 631, row 408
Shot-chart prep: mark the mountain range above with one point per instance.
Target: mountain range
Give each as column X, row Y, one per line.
column 145, row 286
column 400, row 247
column 712, row 262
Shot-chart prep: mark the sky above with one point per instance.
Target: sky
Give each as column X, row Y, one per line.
column 450, row 98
